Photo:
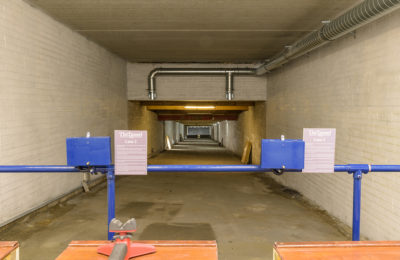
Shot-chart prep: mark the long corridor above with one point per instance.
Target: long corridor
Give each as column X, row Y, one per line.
column 244, row 212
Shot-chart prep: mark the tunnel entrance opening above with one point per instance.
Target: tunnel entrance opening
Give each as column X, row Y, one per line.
column 193, row 125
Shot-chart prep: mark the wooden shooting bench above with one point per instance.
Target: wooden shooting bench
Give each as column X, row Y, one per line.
column 351, row 250
column 177, row 250
column 9, row 250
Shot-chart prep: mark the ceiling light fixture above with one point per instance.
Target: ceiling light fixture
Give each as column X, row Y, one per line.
column 199, row 113
column 199, row 107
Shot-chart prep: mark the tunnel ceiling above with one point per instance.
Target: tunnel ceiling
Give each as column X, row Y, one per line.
column 194, row 30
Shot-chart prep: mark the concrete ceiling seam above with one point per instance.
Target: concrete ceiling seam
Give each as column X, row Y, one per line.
column 227, row 31
column 362, row 14
column 192, row 31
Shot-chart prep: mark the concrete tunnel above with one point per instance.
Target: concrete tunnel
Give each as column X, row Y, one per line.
column 205, row 79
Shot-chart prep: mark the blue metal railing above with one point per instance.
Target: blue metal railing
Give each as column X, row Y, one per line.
column 350, row 168
column 38, row 168
column 356, row 169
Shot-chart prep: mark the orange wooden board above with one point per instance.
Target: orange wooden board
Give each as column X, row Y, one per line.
column 177, row 250
column 246, row 153
column 351, row 250
column 7, row 247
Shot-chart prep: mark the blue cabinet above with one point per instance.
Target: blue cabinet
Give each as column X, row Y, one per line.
column 282, row 154
column 89, row 151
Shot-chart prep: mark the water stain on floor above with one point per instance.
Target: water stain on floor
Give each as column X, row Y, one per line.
column 146, row 209
column 178, row 231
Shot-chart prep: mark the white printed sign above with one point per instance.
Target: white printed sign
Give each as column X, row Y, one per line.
column 319, row 153
column 130, row 152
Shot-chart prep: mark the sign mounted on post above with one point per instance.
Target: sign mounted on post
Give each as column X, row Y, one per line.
column 130, row 152
column 319, row 155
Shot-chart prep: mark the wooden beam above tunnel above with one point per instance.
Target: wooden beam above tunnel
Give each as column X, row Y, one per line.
column 197, row 117
column 195, row 103
column 200, row 112
column 199, row 107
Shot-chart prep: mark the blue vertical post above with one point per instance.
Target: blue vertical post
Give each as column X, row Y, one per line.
column 357, row 176
column 110, row 200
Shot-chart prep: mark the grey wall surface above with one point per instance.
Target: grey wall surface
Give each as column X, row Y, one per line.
column 142, row 119
column 353, row 85
column 180, row 128
column 214, row 131
column 251, row 126
column 173, row 130
column 54, row 84
column 192, row 88
column 170, row 130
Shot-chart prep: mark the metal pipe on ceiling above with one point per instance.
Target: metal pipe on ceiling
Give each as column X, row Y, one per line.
column 365, row 12
column 228, row 72
column 229, row 86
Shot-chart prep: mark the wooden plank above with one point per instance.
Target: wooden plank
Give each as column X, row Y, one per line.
column 246, row 153
column 197, row 103
column 168, row 144
column 349, row 250
column 201, row 112
column 215, row 108
column 9, row 250
column 184, row 117
column 177, row 250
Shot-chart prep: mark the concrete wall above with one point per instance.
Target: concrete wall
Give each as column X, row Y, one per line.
column 353, row 85
column 214, row 132
column 54, row 84
column 179, row 131
column 173, row 130
column 142, row 119
column 192, row 88
column 230, row 136
column 169, row 127
column 251, row 126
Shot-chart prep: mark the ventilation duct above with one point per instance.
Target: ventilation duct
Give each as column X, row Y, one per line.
column 366, row 12
column 228, row 72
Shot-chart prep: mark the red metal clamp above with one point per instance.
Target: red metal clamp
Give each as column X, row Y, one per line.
column 122, row 248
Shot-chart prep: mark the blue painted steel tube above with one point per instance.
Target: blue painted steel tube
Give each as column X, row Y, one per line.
column 37, row 168
column 385, row 168
column 110, row 201
column 356, row 169
column 204, row 168
column 257, row 168
column 195, row 168
column 357, row 176
column 367, row 168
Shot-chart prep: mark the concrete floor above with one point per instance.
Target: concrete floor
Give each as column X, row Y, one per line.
column 244, row 212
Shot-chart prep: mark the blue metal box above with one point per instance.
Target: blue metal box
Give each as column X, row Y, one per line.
column 93, row 151
column 282, row 154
